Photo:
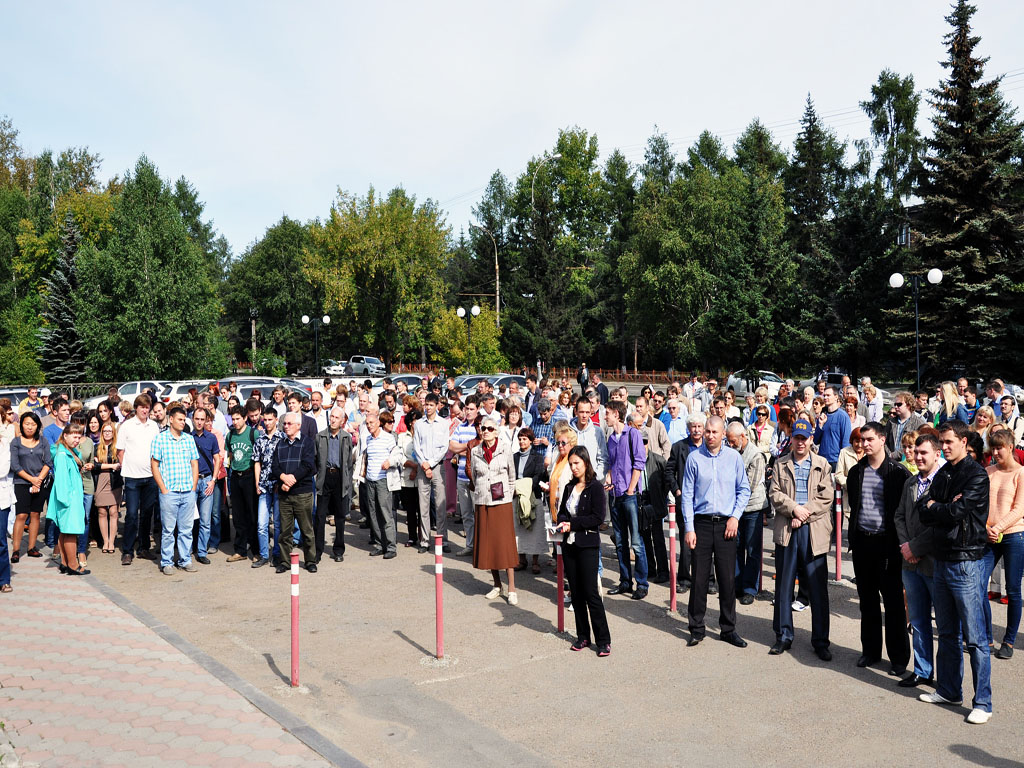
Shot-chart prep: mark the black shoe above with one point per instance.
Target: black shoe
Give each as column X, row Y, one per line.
column 604, row 650
column 260, row 563
column 734, row 639
column 389, row 555
column 684, row 585
column 579, row 645
column 422, row 550
column 897, row 671
column 780, row 647
column 620, row 589
column 338, row 558
column 146, row 554
column 694, row 640
column 126, row 559
column 712, row 589
column 640, row 594
column 1005, row 651
column 867, row 661
column 913, row 680
column 204, row 560
column 661, row 578
column 311, row 568
column 282, row 568
column 823, row 653
column 747, row 599
column 364, row 524
column 447, row 549
column 376, row 553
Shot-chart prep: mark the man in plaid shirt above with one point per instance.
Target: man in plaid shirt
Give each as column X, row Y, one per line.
column 175, row 463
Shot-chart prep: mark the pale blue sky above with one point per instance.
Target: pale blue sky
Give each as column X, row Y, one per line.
column 269, row 108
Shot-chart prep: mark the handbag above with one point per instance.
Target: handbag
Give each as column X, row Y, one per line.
column 497, row 491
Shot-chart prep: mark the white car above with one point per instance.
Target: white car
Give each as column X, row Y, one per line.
column 129, row 390
column 740, row 386
column 334, row 368
column 364, row 365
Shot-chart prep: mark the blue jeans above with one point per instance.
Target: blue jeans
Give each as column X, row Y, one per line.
column 176, row 509
column 140, row 501
column 267, row 505
column 50, row 532
column 626, row 523
column 218, row 495
column 749, row 550
column 83, row 538
column 920, row 590
column 5, row 558
column 958, row 605
column 1011, row 551
column 205, row 504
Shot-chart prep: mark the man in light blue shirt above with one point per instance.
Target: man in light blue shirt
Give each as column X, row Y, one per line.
column 715, row 491
column 676, row 426
column 430, row 445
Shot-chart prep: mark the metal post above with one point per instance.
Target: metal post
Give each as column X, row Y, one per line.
column 839, row 533
column 672, row 539
column 316, row 345
column 439, row 594
column 917, row 332
column 295, row 619
column 560, row 572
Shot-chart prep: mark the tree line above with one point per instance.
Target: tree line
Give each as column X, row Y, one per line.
column 749, row 256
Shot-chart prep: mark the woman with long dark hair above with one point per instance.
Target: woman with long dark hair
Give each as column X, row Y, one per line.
column 31, row 464
column 580, row 514
column 67, row 498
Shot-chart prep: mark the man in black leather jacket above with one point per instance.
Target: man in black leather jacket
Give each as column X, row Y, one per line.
column 956, row 506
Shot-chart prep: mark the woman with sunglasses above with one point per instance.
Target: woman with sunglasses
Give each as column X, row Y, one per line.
column 580, row 514
column 493, row 479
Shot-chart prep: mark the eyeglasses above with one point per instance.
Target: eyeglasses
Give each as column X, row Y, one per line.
column 487, row 429
column 562, row 443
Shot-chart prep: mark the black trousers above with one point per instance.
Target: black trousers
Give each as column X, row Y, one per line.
column 657, row 555
column 685, row 572
column 411, row 505
column 331, row 502
column 713, row 546
column 588, row 607
column 243, row 511
column 879, row 568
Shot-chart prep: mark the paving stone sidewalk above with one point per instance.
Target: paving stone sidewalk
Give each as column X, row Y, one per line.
column 84, row 683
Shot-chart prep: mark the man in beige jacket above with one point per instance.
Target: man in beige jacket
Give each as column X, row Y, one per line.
column 802, row 493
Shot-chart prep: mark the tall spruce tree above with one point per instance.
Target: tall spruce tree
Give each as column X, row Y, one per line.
column 61, row 353
column 973, row 228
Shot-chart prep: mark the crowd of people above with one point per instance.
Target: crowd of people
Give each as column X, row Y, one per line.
column 931, row 491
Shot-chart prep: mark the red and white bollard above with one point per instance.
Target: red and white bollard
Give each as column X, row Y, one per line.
column 839, row 534
column 560, row 573
column 439, row 594
column 673, row 538
column 295, row 619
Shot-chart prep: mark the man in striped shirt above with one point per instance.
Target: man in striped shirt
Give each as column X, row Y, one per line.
column 461, row 437
column 376, row 463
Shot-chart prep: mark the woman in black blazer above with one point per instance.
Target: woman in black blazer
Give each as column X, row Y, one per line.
column 580, row 515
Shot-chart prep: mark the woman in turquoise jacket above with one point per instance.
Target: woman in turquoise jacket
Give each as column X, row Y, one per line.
column 67, row 497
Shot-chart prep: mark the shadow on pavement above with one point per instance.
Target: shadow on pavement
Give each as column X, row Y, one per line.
column 979, row 756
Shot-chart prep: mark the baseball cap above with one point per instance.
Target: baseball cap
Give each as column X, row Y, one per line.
column 45, row 391
column 803, row 428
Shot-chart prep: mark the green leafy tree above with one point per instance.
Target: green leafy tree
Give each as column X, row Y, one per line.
column 61, row 352
column 973, row 224
column 449, row 337
column 380, row 262
column 146, row 305
column 893, row 109
column 19, row 341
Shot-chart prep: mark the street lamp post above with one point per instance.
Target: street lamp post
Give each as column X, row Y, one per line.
column 497, row 278
column 896, row 280
column 556, row 156
column 473, row 312
column 317, row 322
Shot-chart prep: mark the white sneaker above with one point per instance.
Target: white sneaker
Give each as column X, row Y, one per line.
column 495, row 591
column 934, row 697
column 504, row 591
column 513, row 598
column 799, row 606
column 978, row 716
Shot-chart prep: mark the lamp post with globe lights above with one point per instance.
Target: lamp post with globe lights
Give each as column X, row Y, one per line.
column 317, row 322
column 473, row 312
column 896, row 280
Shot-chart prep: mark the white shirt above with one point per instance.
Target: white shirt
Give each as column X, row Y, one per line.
column 320, row 419
column 136, row 440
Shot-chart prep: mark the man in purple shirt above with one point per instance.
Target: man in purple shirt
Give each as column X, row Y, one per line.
column 626, row 459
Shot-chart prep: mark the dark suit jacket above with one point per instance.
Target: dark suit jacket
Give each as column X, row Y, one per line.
column 676, row 465
column 602, row 392
column 345, row 456
column 590, row 513
column 534, row 469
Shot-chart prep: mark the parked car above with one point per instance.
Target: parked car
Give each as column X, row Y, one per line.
column 468, row 381
column 129, row 391
column 14, row 394
column 505, row 379
column 334, row 368
column 364, row 365
column 179, row 389
column 298, row 386
column 740, row 385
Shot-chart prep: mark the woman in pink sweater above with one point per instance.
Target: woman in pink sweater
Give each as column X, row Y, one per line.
column 1005, row 533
